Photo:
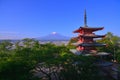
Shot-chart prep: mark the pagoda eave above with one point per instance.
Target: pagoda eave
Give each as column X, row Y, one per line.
column 88, row 28
column 91, row 45
column 77, row 31
column 92, row 36
column 92, row 28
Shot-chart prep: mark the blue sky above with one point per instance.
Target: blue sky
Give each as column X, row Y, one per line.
column 35, row 18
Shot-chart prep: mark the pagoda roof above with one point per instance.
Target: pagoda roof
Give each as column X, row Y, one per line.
column 89, row 36
column 92, row 36
column 90, row 44
column 88, row 28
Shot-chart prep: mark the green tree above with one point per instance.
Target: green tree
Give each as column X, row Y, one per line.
column 5, row 45
column 112, row 45
column 70, row 44
column 28, row 43
column 51, row 61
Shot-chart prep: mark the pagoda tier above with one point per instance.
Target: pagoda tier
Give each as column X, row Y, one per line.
column 88, row 36
column 91, row 44
column 86, row 49
column 91, row 36
column 88, row 29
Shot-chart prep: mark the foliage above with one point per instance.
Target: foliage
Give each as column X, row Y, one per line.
column 15, row 69
column 70, row 44
column 5, row 46
column 112, row 45
column 51, row 61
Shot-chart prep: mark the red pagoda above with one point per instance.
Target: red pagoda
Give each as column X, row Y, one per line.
column 86, row 36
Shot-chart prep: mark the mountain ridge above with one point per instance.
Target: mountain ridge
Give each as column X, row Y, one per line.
column 53, row 36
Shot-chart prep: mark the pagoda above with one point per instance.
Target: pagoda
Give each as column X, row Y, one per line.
column 85, row 39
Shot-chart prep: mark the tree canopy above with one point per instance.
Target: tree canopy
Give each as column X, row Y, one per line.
column 34, row 61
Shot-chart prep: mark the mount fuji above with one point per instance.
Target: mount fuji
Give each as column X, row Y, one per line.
column 54, row 36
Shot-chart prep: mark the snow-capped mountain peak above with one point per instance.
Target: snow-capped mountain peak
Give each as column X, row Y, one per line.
column 53, row 36
column 54, row 33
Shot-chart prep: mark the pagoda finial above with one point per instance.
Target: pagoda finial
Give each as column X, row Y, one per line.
column 85, row 19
